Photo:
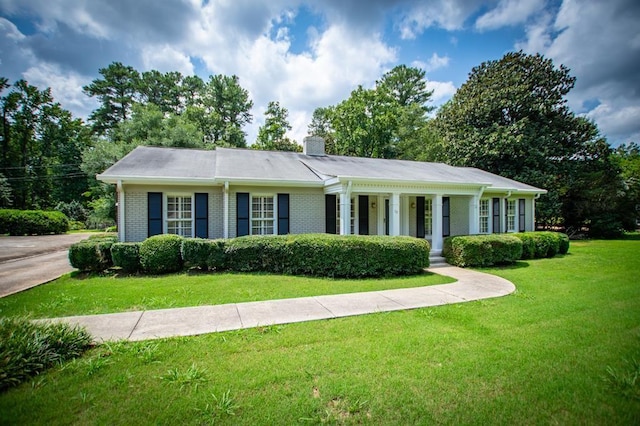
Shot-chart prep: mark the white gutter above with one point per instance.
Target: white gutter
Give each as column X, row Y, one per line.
column 121, row 211
column 225, row 211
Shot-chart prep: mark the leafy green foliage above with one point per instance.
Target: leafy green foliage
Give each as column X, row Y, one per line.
column 329, row 255
column 92, row 254
column 482, row 250
column 27, row 348
column 126, row 256
column 160, row 254
column 272, row 135
column 32, row 222
column 388, row 121
column 537, row 245
column 510, row 118
column 203, row 254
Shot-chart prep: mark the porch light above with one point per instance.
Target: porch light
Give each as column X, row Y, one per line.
column 373, row 204
column 413, row 205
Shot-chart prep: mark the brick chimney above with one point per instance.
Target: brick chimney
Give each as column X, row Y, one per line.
column 313, row 145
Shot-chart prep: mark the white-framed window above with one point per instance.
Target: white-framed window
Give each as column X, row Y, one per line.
column 262, row 215
column 428, row 216
column 179, row 218
column 352, row 215
column 483, row 214
column 511, row 215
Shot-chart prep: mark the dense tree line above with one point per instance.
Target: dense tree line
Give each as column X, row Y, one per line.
column 510, row 117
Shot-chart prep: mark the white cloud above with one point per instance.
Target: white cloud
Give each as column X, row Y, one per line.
column 508, row 13
column 66, row 87
column 166, row 58
column 442, row 91
column 598, row 42
column 448, row 14
column 434, row 63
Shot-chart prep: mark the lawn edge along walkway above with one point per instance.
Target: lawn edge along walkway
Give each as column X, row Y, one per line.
column 161, row 323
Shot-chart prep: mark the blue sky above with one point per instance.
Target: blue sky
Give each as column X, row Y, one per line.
column 307, row 54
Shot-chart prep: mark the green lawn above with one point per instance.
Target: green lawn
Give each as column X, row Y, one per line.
column 539, row 356
column 79, row 294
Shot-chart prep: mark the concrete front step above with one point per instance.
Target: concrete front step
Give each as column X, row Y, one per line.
column 435, row 261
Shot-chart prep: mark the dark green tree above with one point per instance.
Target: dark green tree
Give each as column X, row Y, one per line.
column 510, row 118
column 628, row 159
column 321, row 126
column 272, row 135
column 117, row 91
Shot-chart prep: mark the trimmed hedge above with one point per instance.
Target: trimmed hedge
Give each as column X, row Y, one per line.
column 160, row 254
column 28, row 348
column 32, row 222
column 482, row 250
column 537, row 245
column 126, row 256
column 328, row 255
column 486, row 250
column 203, row 254
column 93, row 254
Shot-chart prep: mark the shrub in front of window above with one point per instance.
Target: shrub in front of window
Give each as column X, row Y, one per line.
column 93, row 254
column 126, row 256
column 482, row 250
column 32, row 222
column 161, row 254
column 203, row 254
column 27, row 348
column 328, row 255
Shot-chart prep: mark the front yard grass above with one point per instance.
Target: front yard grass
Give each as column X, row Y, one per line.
column 81, row 294
column 558, row 351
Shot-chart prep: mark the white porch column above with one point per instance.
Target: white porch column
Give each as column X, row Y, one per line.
column 345, row 213
column 394, row 207
column 381, row 218
column 121, row 212
column 404, row 201
column 474, row 215
column 225, row 210
column 436, row 237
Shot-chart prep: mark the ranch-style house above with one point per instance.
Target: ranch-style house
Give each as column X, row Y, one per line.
column 224, row 193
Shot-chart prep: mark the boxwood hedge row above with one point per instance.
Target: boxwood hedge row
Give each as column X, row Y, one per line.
column 32, row 222
column 496, row 249
column 93, row 254
column 304, row 254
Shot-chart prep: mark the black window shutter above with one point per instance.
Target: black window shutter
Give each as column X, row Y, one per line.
column 202, row 215
column 154, row 213
column 521, row 214
column 496, row 215
column 446, row 216
column 283, row 214
column 242, row 214
column 420, row 233
column 330, row 213
column 363, row 214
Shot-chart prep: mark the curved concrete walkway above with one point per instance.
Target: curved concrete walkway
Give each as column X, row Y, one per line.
column 143, row 325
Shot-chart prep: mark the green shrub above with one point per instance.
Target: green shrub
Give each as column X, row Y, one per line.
column 328, row 255
column 32, row 222
column 203, row 254
column 92, row 254
column 27, row 348
column 537, row 245
column 126, row 256
column 160, row 254
column 482, row 250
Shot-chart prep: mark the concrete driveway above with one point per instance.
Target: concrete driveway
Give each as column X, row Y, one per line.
column 26, row 262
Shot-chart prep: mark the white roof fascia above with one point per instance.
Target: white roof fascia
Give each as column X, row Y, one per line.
column 271, row 182
column 155, row 180
column 400, row 182
column 514, row 191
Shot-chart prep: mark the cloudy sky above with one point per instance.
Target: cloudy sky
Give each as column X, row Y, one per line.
column 307, row 54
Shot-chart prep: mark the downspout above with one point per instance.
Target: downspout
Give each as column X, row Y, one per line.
column 225, row 210
column 121, row 217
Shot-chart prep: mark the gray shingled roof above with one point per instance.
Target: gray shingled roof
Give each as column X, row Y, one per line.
column 226, row 164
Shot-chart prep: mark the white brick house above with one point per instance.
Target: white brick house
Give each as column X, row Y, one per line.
column 231, row 192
